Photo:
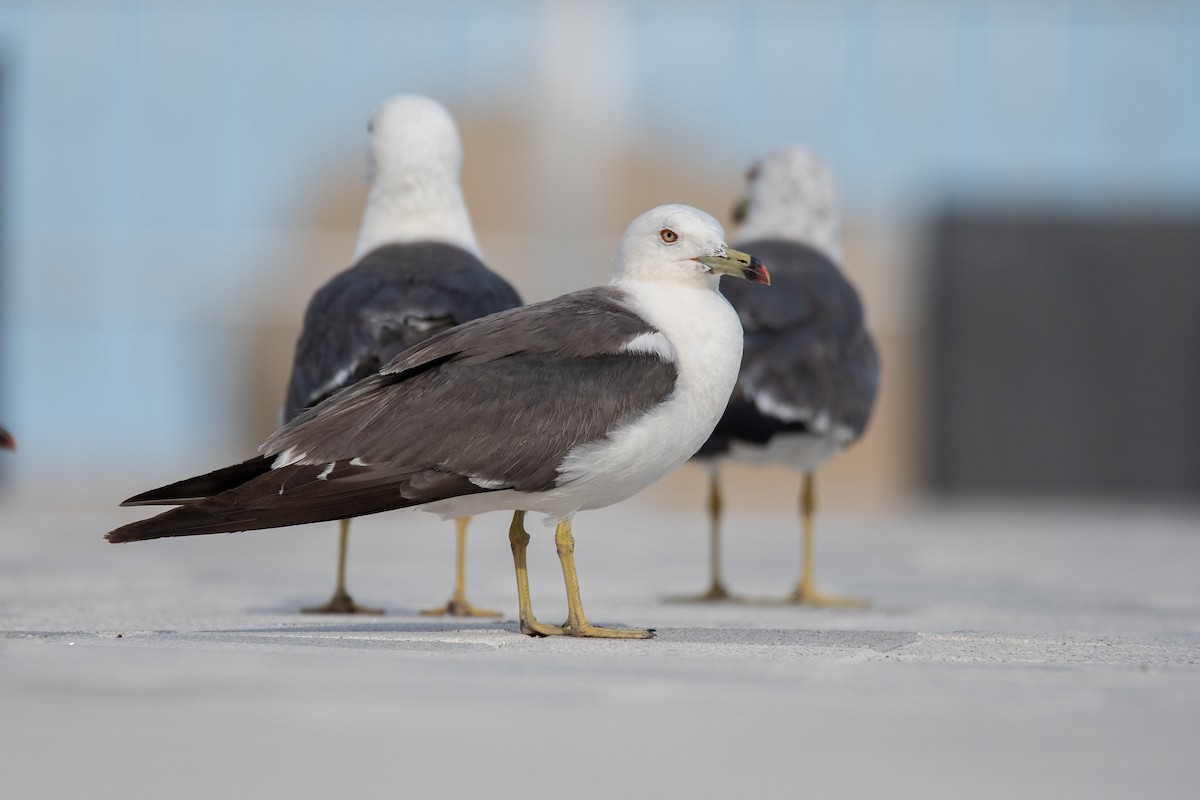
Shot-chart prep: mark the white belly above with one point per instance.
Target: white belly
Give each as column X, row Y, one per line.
column 802, row 452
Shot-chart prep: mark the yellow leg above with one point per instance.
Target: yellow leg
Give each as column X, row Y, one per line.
column 577, row 624
column 805, row 593
column 341, row 602
column 519, row 540
column 458, row 605
column 716, row 589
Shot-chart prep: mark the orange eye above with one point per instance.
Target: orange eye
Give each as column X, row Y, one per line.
column 669, row 236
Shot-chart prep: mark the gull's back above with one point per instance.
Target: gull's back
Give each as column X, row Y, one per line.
column 394, row 297
column 809, row 367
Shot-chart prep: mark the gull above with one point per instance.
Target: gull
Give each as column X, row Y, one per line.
column 417, row 270
column 553, row 408
column 809, row 371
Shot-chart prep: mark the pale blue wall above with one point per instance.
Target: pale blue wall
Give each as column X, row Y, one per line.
column 164, row 143
column 1074, row 102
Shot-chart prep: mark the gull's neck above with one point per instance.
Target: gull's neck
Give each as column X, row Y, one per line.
column 700, row 282
column 773, row 221
column 694, row 316
column 416, row 210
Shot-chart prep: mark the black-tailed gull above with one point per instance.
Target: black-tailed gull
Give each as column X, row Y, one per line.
column 417, row 270
column 561, row 406
column 809, row 370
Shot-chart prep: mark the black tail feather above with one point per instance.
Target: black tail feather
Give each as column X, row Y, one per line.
column 190, row 490
column 295, row 495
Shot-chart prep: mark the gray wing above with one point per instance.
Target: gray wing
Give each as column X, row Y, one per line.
column 500, row 400
column 391, row 299
column 808, row 363
column 492, row 404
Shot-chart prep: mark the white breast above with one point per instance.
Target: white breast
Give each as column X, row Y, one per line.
column 705, row 339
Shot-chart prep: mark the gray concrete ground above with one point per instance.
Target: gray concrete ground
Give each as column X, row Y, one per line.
column 1011, row 651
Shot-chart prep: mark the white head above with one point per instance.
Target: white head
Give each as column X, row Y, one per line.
column 414, row 163
column 412, row 136
column 790, row 194
column 680, row 244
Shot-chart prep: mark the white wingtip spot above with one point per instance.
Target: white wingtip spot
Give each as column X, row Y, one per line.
column 357, row 462
column 287, row 458
column 487, row 483
column 844, row 434
column 338, row 381
column 325, row 472
column 784, row 412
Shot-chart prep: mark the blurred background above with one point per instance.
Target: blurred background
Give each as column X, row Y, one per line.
column 1020, row 184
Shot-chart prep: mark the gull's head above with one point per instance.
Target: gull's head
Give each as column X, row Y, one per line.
column 413, row 137
column 790, row 194
column 681, row 244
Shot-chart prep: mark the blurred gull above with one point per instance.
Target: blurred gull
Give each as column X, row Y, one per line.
column 809, row 370
column 417, row 271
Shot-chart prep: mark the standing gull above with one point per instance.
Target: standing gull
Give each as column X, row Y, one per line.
column 417, row 271
column 809, row 369
column 557, row 407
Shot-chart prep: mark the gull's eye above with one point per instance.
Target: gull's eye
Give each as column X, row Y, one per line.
column 669, row 236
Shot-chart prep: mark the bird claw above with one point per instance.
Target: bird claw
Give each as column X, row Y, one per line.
column 715, row 594
column 459, row 607
column 538, row 630
column 590, row 631
column 341, row 603
column 583, row 630
column 804, row 595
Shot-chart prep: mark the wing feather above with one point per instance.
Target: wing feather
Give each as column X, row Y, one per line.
column 391, row 299
column 492, row 404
